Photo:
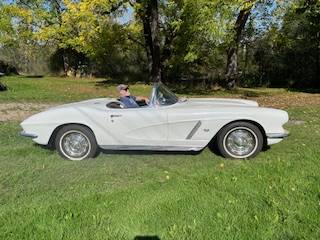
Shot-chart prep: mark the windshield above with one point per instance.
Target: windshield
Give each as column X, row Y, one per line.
column 163, row 96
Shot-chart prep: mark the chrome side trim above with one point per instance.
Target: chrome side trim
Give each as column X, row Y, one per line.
column 149, row 148
column 278, row 135
column 30, row 135
column 194, row 130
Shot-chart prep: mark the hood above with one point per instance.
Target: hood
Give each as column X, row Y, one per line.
column 97, row 102
column 51, row 113
column 227, row 102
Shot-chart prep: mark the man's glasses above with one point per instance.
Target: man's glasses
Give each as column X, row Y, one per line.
column 126, row 89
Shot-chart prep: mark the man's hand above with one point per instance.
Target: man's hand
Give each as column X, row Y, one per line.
column 141, row 98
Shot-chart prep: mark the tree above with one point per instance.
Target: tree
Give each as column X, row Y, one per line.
column 18, row 45
column 288, row 54
column 186, row 35
column 232, row 52
column 166, row 40
column 148, row 13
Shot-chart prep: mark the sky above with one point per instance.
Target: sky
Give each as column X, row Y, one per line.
column 127, row 16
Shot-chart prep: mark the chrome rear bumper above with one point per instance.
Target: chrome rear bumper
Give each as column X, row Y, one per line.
column 30, row 135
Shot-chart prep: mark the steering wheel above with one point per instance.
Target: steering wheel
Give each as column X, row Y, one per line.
column 162, row 100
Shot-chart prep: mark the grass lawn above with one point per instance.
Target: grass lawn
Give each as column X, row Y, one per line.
column 121, row 196
column 53, row 89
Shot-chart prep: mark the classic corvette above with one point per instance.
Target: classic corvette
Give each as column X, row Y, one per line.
column 239, row 129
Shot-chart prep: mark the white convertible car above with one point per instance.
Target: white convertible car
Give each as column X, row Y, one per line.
column 238, row 128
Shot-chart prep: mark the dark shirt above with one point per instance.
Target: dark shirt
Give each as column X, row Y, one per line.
column 129, row 101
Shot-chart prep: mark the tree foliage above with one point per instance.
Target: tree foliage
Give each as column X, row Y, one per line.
column 252, row 42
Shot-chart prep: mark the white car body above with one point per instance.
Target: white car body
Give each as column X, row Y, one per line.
column 188, row 124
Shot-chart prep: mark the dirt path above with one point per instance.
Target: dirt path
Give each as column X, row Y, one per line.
column 20, row 111
column 284, row 101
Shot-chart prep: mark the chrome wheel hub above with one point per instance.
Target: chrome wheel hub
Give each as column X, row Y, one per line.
column 240, row 142
column 75, row 145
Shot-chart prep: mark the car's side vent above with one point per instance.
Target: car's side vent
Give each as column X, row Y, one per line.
column 194, row 130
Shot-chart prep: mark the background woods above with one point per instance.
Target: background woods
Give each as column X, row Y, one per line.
column 233, row 42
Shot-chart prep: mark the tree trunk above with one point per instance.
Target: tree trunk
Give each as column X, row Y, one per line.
column 317, row 84
column 232, row 67
column 155, row 51
column 65, row 63
column 150, row 20
column 145, row 17
column 232, row 52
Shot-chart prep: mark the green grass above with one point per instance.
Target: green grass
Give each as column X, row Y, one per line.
column 120, row 196
column 54, row 89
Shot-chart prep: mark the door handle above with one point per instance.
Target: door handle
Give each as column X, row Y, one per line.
column 115, row 115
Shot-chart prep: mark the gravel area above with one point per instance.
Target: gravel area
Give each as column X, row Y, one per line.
column 20, row 111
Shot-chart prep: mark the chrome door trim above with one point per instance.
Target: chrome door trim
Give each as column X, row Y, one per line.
column 150, row 148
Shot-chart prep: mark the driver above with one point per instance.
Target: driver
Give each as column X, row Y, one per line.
column 128, row 100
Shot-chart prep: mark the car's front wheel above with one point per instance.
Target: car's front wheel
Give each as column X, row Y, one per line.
column 240, row 140
column 76, row 142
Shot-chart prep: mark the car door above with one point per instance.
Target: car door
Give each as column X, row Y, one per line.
column 144, row 126
column 183, row 125
column 189, row 127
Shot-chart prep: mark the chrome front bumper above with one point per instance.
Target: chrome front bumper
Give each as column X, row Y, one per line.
column 29, row 135
column 278, row 135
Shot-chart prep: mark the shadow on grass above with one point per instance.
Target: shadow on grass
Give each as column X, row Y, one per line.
column 146, row 238
column 127, row 152
column 113, row 82
column 244, row 93
column 307, row 90
column 33, row 76
column 252, row 92
column 189, row 90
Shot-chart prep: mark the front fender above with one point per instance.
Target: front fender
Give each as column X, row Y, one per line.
column 44, row 124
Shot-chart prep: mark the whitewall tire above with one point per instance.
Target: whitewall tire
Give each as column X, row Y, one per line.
column 76, row 142
column 240, row 140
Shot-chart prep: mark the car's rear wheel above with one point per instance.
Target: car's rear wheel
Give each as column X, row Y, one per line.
column 76, row 142
column 240, row 140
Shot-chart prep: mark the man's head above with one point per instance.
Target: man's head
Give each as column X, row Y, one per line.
column 123, row 90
